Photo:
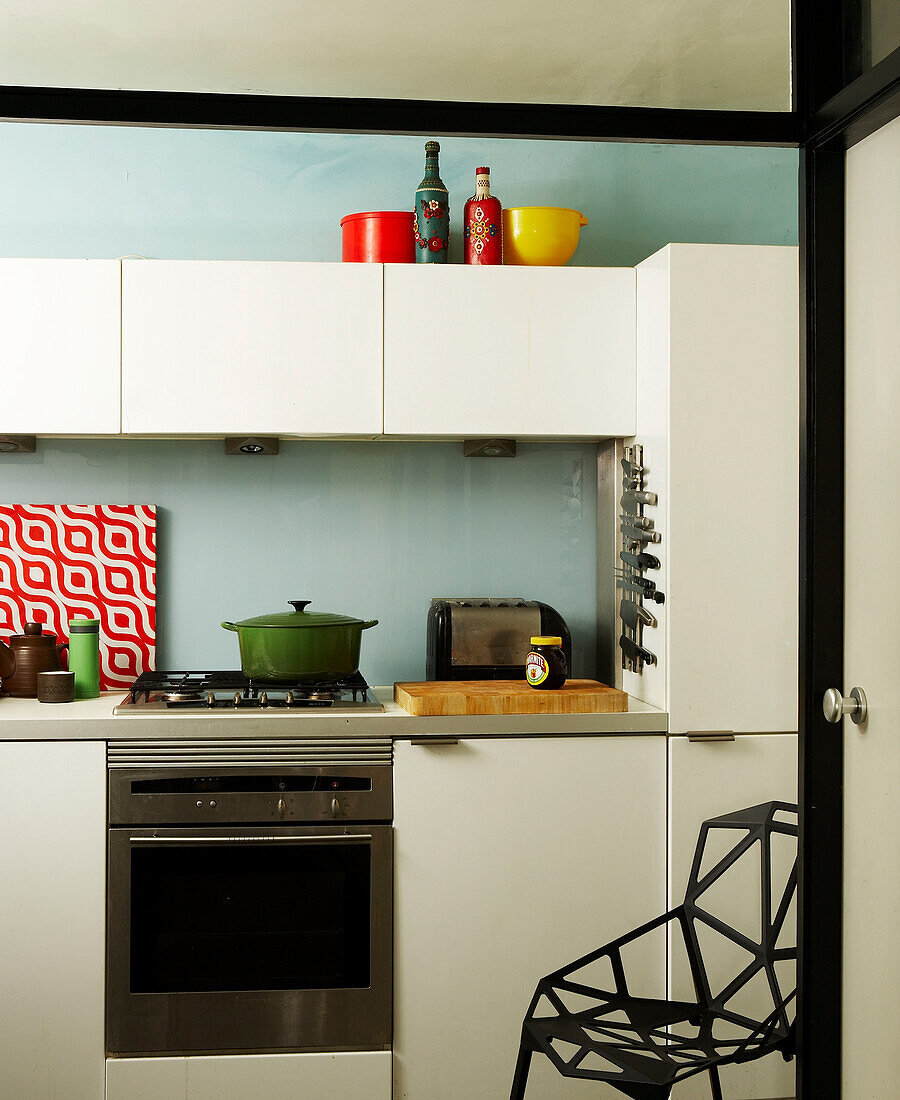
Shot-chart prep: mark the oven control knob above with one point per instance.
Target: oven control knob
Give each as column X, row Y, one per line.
column 212, row 803
column 199, row 803
column 335, row 807
column 282, row 807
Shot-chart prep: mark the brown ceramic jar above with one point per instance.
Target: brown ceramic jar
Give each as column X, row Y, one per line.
column 26, row 655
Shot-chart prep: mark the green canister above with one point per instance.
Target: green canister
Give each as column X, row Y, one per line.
column 84, row 656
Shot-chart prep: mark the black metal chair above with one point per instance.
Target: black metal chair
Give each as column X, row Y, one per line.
column 643, row 1046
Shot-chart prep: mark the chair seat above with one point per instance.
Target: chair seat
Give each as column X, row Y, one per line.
column 651, row 1041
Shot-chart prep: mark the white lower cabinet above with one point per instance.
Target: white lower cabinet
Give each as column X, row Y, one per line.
column 708, row 780
column 52, row 918
column 347, row 1076
column 513, row 857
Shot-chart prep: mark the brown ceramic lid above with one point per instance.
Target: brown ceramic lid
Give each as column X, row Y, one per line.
column 33, row 636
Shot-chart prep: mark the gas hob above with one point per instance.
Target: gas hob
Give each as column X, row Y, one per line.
column 234, row 693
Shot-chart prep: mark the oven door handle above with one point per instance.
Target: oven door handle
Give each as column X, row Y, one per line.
column 311, row 839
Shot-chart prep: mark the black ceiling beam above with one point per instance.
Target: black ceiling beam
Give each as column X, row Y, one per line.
column 864, row 106
column 399, row 116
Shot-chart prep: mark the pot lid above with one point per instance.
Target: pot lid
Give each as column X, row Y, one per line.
column 34, row 636
column 300, row 617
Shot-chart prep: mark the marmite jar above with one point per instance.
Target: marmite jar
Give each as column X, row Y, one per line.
column 545, row 665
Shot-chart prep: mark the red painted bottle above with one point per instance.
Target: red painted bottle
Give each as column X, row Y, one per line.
column 482, row 224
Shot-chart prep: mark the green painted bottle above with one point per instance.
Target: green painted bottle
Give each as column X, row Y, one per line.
column 84, row 656
column 432, row 224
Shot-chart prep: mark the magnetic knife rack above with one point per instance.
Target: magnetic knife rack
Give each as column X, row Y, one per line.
column 637, row 533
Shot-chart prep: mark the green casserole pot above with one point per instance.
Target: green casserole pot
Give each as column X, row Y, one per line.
column 300, row 646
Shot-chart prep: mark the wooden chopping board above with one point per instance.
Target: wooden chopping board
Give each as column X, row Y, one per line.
column 433, row 697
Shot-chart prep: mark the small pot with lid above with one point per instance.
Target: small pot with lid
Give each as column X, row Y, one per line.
column 26, row 655
column 300, row 646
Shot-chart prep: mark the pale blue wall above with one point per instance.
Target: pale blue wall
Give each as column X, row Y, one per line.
column 371, row 529
column 227, row 194
column 374, row 529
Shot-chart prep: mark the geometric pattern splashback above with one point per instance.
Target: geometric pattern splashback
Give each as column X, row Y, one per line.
column 58, row 561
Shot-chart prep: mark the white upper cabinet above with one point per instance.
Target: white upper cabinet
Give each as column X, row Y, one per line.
column 59, row 347
column 220, row 347
column 509, row 351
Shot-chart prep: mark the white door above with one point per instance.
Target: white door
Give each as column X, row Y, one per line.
column 871, row 954
column 234, row 347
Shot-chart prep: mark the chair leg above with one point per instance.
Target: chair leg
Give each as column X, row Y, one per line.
column 715, row 1085
column 520, row 1077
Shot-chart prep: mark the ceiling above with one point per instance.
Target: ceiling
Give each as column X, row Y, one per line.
column 730, row 54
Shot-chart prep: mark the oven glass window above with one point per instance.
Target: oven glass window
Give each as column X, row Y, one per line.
column 259, row 916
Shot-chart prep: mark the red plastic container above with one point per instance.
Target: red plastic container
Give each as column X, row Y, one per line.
column 379, row 237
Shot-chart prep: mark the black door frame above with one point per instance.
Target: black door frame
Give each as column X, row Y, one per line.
column 833, row 109
column 841, row 101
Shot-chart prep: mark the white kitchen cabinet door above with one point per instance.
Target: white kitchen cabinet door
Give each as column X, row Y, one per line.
column 509, row 351
column 52, row 917
column 234, row 347
column 362, row 1075
column 59, row 347
column 718, row 416
column 708, row 779
column 513, row 857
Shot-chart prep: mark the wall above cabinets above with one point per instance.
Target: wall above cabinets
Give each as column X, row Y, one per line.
column 304, row 350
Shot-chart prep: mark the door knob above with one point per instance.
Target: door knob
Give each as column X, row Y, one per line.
column 836, row 705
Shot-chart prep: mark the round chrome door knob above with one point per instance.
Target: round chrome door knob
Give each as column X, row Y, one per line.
column 835, row 706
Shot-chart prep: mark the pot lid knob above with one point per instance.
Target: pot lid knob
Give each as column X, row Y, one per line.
column 299, row 605
column 33, row 629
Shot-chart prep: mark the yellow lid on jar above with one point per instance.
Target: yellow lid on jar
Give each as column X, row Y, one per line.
column 540, row 640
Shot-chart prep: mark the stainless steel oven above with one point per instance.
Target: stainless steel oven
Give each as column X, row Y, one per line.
column 249, row 906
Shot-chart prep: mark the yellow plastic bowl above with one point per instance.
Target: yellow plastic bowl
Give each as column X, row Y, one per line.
column 541, row 236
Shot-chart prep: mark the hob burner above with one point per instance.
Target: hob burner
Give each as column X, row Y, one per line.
column 233, row 691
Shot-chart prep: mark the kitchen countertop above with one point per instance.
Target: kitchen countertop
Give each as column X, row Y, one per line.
column 93, row 720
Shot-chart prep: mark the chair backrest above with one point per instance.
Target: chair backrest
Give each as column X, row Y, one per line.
column 740, row 909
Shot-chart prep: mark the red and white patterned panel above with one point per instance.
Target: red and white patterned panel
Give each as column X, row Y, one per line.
column 58, row 561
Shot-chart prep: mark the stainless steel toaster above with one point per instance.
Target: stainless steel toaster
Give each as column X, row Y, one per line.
column 482, row 638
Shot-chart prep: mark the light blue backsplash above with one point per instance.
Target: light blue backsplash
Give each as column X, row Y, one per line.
column 374, row 529
column 371, row 529
column 108, row 191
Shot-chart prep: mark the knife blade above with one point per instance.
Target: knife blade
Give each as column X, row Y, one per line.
column 639, row 561
column 639, row 536
column 633, row 613
column 643, row 583
column 636, row 652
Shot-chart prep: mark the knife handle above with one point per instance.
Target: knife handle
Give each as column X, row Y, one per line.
column 632, row 613
column 636, row 652
column 634, row 535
